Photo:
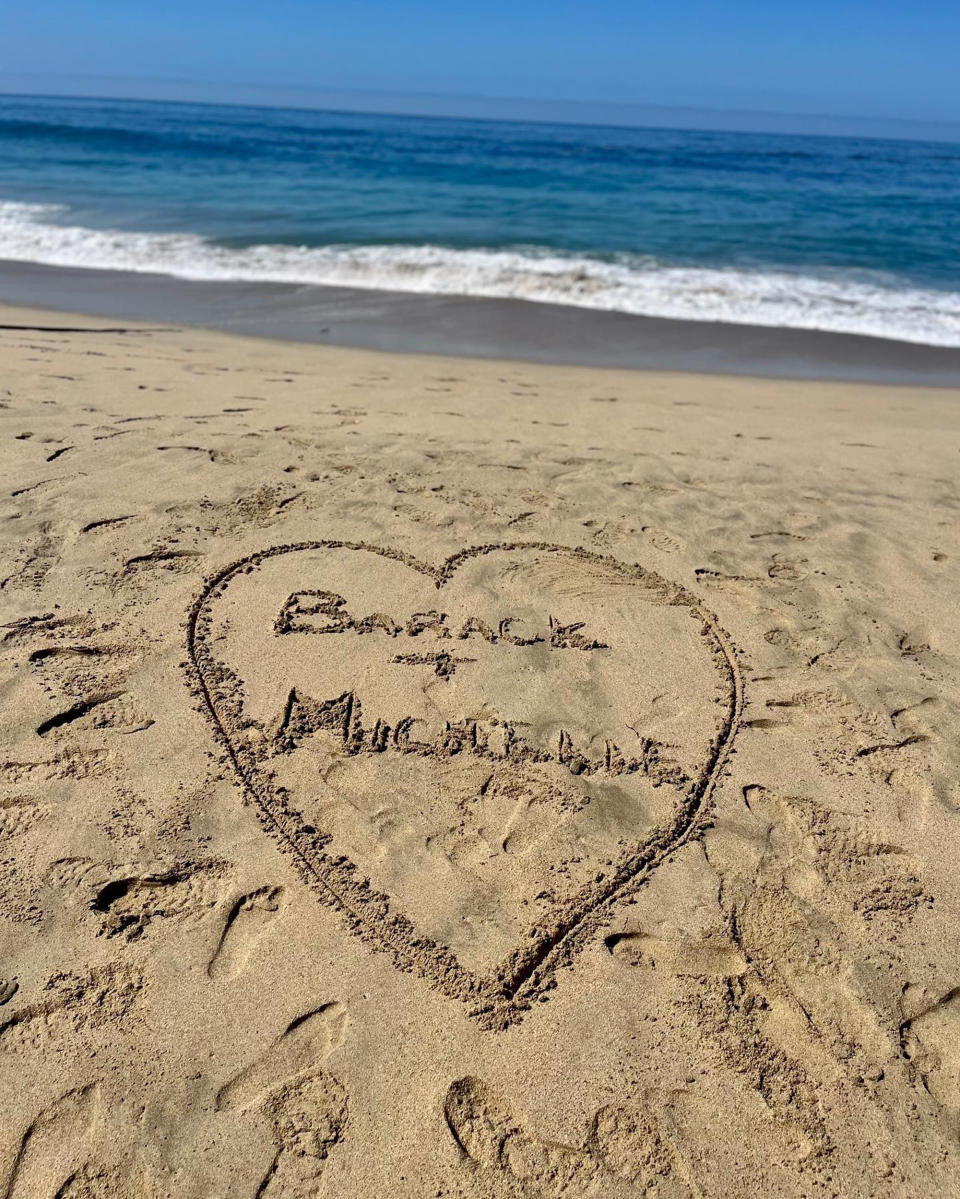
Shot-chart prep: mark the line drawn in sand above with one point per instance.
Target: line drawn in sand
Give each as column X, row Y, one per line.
column 499, row 995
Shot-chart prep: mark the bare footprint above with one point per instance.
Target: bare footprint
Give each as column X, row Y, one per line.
column 306, row 1106
column 94, row 1180
column 303, row 1045
column 51, row 1149
column 930, row 1038
column 244, row 926
column 715, row 957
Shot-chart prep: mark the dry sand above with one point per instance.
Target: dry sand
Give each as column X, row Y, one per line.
column 430, row 777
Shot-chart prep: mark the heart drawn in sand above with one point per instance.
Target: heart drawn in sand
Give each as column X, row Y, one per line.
column 474, row 760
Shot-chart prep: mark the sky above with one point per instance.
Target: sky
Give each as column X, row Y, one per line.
column 878, row 60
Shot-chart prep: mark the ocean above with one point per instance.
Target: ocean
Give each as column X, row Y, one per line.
column 842, row 234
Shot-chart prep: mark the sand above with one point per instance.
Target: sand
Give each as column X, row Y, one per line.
column 440, row 777
column 476, row 327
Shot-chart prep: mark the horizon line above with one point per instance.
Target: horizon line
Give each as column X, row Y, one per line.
column 909, row 128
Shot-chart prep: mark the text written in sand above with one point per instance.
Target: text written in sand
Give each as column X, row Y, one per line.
column 326, row 612
column 475, row 758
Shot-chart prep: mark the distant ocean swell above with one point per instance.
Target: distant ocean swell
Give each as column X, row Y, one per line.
column 832, row 301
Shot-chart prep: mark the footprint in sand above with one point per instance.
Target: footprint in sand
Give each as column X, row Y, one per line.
column 94, row 1180
column 305, row 1043
column 308, row 1117
column 244, row 925
column 626, row 1152
column 305, row 1105
column 19, row 814
column 69, row 1004
column 930, row 1039
column 663, row 541
column 786, row 571
column 54, row 1146
column 126, row 899
column 710, row 956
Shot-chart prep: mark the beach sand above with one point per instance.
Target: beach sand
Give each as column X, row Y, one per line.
column 442, row 777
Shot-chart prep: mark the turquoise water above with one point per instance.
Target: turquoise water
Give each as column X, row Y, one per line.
column 859, row 235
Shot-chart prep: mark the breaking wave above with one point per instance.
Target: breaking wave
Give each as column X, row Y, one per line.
column 629, row 283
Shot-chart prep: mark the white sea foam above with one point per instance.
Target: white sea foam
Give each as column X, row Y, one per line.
column 632, row 284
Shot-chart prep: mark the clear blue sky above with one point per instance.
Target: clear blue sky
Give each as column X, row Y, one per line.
column 873, row 58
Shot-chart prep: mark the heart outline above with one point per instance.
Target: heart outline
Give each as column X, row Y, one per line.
column 501, row 997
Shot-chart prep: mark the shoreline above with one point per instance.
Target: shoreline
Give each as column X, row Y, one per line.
column 478, row 328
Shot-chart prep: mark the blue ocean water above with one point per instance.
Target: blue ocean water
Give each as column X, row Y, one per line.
column 858, row 235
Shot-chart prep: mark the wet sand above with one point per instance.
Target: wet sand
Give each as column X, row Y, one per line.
column 515, row 330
